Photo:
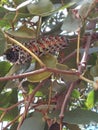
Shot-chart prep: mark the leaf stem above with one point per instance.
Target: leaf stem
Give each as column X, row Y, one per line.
column 87, row 80
column 78, row 47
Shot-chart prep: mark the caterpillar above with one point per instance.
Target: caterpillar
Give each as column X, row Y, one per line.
column 46, row 44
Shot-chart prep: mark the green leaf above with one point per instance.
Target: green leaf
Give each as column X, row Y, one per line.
column 17, row 2
column 41, row 7
column 39, row 77
column 58, row 87
column 86, row 6
column 79, row 116
column 49, row 61
column 94, row 71
column 72, row 127
column 4, row 67
column 8, row 99
column 90, row 100
column 66, row 77
column 46, row 107
column 2, row 12
column 35, row 122
column 38, row 94
column 18, row 68
column 5, row 98
column 11, row 15
column 71, row 23
column 96, row 96
column 46, row 126
column 2, row 43
column 22, row 32
column 10, row 115
column 62, row 67
column 69, row 77
column 4, row 23
column 75, row 93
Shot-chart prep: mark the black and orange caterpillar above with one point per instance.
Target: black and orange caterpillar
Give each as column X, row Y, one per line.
column 46, row 44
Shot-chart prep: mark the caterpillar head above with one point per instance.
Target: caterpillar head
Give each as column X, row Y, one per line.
column 17, row 55
column 12, row 55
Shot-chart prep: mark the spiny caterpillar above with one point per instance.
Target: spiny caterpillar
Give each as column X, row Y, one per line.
column 46, row 44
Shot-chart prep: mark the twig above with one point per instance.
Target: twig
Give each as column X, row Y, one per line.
column 28, row 104
column 13, row 121
column 78, row 48
column 68, row 57
column 67, row 96
column 85, row 79
column 80, row 69
column 2, row 115
column 70, row 72
column 11, row 107
column 85, row 55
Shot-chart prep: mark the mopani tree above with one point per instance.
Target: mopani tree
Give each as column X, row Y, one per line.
column 48, row 64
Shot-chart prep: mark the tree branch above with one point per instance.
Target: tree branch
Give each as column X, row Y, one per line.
column 70, row 72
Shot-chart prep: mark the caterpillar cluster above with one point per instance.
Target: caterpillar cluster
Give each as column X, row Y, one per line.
column 46, row 44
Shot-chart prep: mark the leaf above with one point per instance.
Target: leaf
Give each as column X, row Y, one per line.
column 62, row 67
column 69, row 77
column 46, row 127
column 46, row 107
column 18, row 69
column 49, row 61
column 94, row 71
column 58, row 87
column 86, row 6
column 14, row 126
column 66, row 77
column 2, row 12
column 90, row 100
column 35, row 122
column 38, row 94
column 22, row 32
column 96, row 96
column 45, row 88
column 7, row 100
column 80, row 116
column 21, row 6
column 75, row 93
column 77, row 116
column 4, row 67
column 11, row 84
column 41, row 7
column 2, row 43
column 17, row 2
column 71, row 23
column 10, row 115
column 72, row 127
column 11, row 15
column 4, row 23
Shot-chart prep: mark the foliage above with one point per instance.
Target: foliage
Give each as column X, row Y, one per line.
column 48, row 64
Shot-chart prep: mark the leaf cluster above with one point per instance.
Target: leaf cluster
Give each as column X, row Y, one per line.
column 52, row 91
